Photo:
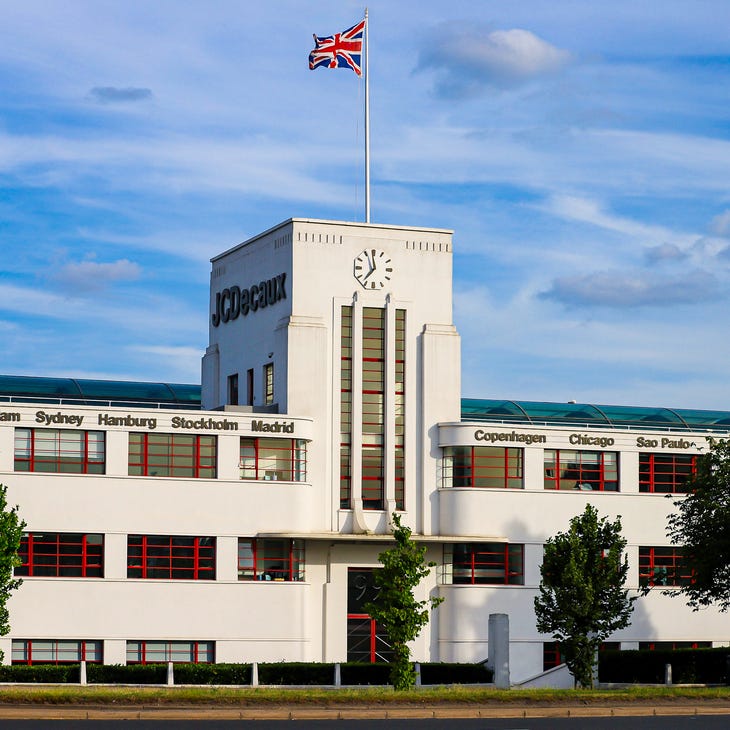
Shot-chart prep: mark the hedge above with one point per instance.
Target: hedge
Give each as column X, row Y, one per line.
column 689, row 666
column 279, row 673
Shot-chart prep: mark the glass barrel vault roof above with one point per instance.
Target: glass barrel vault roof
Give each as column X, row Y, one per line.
column 586, row 415
column 22, row 388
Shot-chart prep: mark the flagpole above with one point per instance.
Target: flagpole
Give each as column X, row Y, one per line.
column 367, row 120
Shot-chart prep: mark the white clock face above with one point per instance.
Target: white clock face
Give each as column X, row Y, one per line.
column 373, row 268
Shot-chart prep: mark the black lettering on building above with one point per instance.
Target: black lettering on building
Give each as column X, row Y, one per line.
column 234, row 301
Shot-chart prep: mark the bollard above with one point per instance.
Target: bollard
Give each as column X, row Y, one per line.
column 82, row 672
column 668, row 674
column 338, row 675
column 170, row 675
column 255, row 674
column 418, row 674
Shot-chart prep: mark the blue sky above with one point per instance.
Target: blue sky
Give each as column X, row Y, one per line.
column 579, row 150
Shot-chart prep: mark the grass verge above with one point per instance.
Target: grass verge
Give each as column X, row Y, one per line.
column 248, row 697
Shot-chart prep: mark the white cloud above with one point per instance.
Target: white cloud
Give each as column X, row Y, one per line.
column 117, row 95
column 585, row 210
column 622, row 289
column 664, row 252
column 720, row 225
column 469, row 60
column 92, row 276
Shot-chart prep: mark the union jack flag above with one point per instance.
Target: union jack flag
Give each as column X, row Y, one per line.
column 341, row 50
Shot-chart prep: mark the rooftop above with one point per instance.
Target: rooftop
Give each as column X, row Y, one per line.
column 585, row 415
column 80, row 391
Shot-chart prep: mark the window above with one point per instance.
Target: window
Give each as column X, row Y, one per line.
column 400, row 407
column 552, row 656
column 373, row 399
column 487, row 563
column 249, row 387
column 233, row 389
column 345, row 407
column 61, row 555
column 673, row 645
column 51, row 651
column 584, row 470
column 175, row 557
column 269, row 383
column 270, row 559
column 172, row 455
column 665, row 473
column 154, row 652
column 663, row 566
column 373, row 395
column 483, row 466
column 367, row 640
column 273, row 459
column 60, row 451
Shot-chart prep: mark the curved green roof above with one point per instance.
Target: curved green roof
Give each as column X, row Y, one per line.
column 585, row 415
column 79, row 391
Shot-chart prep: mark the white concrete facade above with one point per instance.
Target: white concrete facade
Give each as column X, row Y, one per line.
column 277, row 312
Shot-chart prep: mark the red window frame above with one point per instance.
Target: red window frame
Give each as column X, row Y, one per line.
column 195, row 649
column 673, row 645
column 376, row 646
column 263, row 559
column 484, row 467
column 53, row 458
column 61, row 555
column 666, row 473
column 90, row 651
column 171, row 557
column 179, row 460
column 487, row 563
column 291, row 456
column 578, row 469
column 552, row 655
column 663, row 566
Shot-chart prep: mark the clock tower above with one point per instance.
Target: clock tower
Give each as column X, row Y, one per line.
column 349, row 324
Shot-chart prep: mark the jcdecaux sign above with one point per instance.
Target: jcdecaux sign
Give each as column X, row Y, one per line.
column 235, row 301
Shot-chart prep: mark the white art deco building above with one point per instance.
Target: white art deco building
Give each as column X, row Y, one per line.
column 242, row 522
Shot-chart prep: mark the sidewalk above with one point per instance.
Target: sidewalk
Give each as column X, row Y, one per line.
column 216, row 712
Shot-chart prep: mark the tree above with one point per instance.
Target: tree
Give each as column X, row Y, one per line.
column 11, row 532
column 396, row 608
column 582, row 599
column 701, row 526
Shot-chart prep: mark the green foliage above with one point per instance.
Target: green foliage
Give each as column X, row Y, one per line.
column 445, row 673
column 11, row 532
column 689, row 666
column 701, row 526
column 40, row 673
column 359, row 673
column 396, row 609
column 126, row 673
column 297, row 673
column 582, row 600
